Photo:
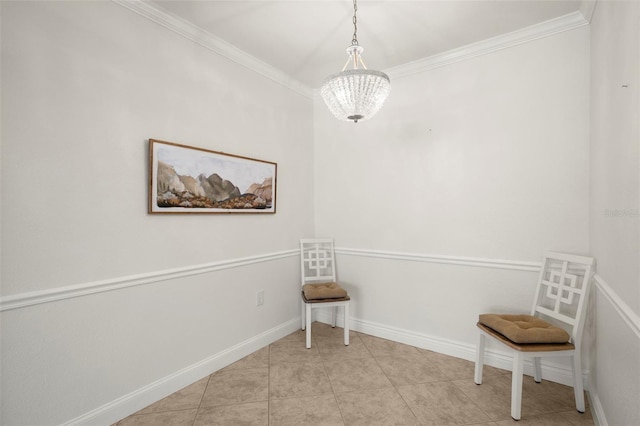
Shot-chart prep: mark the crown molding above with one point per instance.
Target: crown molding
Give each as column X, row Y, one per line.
column 213, row 43
column 534, row 32
column 587, row 7
column 194, row 33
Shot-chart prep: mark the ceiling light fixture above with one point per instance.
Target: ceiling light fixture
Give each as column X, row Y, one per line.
column 355, row 94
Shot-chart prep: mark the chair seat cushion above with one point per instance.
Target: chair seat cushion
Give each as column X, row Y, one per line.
column 524, row 328
column 323, row 291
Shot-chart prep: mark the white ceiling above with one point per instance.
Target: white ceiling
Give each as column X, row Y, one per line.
column 306, row 39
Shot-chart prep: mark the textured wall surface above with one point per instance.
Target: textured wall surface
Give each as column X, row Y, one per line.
column 84, row 85
column 615, row 207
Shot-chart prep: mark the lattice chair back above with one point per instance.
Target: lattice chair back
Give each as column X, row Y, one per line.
column 317, row 261
column 563, row 290
column 560, row 303
column 319, row 286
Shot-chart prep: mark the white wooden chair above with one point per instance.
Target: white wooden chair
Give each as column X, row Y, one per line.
column 319, row 286
column 554, row 327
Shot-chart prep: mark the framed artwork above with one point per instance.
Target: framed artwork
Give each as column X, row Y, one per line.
column 186, row 179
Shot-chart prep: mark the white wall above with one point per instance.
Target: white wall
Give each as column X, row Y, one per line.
column 441, row 206
column 615, row 207
column 479, row 162
column 84, row 85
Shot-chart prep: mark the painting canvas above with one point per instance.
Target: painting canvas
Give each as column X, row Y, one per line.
column 185, row 179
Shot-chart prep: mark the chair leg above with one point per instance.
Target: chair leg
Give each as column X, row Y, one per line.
column 578, row 389
column 346, row 324
column 334, row 315
column 303, row 316
column 537, row 369
column 479, row 359
column 308, row 321
column 516, row 385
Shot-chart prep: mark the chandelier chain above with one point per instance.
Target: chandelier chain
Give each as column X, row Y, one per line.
column 355, row 94
column 354, row 40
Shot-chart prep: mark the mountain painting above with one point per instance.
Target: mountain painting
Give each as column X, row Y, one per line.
column 185, row 179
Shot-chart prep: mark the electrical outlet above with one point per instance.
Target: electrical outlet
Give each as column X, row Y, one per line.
column 260, row 298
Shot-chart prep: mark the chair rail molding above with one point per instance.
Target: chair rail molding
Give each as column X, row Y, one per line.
column 518, row 265
column 626, row 313
column 24, row 300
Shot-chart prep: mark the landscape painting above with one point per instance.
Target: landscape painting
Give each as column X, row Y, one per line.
column 185, row 179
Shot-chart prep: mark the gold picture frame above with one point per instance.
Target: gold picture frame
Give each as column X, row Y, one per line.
column 189, row 180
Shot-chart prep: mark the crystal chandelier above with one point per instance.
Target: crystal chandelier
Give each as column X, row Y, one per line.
column 355, row 94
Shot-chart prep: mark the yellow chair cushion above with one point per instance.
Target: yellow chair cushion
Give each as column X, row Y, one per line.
column 524, row 328
column 323, row 291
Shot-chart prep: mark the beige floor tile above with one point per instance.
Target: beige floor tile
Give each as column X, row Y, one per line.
column 373, row 381
column 309, row 411
column 409, row 369
column 554, row 396
column 296, row 336
column 457, row 368
column 375, row 407
column 382, row 347
column 441, row 403
column 356, row 374
column 335, row 351
column 319, row 329
column 292, row 351
column 248, row 414
column 493, row 396
column 237, row 386
column 297, row 379
column 186, row 398
column 258, row 359
column 325, row 333
column 168, row 418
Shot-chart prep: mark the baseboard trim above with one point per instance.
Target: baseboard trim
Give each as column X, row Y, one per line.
column 134, row 401
column 141, row 398
column 23, row 300
column 597, row 411
column 553, row 372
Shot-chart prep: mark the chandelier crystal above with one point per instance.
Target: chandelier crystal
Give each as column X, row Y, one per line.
column 355, row 94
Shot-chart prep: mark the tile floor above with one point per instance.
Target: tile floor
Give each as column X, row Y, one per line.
column 370, row 382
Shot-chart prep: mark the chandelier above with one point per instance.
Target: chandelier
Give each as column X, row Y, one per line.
column 355, row 94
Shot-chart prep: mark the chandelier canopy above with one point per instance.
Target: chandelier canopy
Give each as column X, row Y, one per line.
column 355, row 94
